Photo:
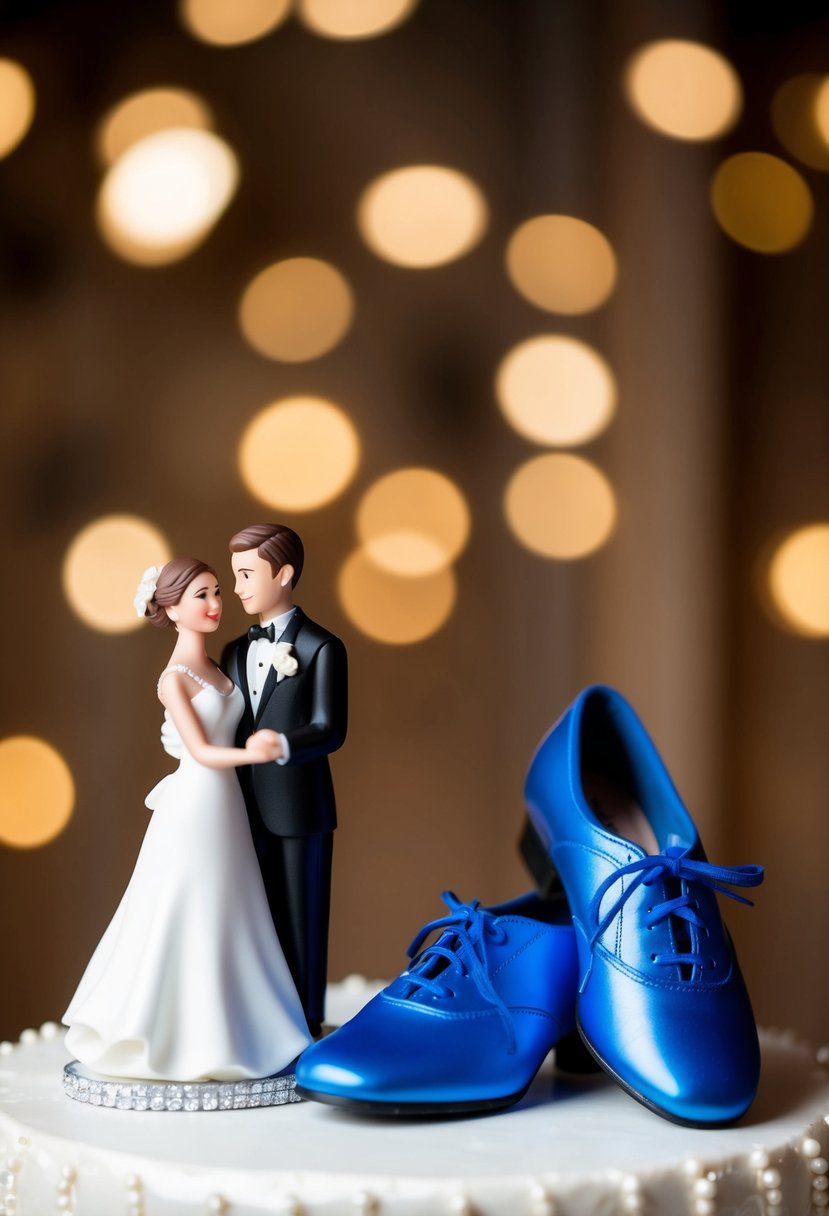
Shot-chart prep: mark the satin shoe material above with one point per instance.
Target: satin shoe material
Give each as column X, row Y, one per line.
column 661, row 1004
column 466, row 1026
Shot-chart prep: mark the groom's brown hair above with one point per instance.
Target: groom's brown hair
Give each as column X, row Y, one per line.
column 275, row 543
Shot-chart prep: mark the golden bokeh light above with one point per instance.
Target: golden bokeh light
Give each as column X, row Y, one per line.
column 37, row 793
column 299, row 453
column 422, row 216
column 145, row 113
column 160, row 199
column 397, row 610
column 103, row 566
column 560, row 506
column 556, row 390
column 799, row 580
column 296, row 310
column 761, row 202
column 561, row 264
column 232, row 22
column 821, row 111
column 413, row 522
column 683, row 89
column 354, row 18
column 17, row 104
column 794, row 116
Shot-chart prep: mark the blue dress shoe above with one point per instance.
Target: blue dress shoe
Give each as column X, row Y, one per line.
column 662, row 1004
column 467, row 1026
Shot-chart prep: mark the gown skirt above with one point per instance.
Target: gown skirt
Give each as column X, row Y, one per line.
column 189, row 981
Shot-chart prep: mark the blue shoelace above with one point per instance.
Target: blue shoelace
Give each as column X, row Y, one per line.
column 673, row 863
column 460, row 949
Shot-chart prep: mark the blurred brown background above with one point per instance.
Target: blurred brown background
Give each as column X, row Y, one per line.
column 125, row 389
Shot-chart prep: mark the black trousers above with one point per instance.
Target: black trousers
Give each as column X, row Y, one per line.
column 297, row 875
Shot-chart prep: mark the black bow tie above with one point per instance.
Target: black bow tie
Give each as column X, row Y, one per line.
column 261, row 631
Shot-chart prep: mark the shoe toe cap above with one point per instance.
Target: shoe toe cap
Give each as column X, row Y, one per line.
column 692, row 1055
column 395, row 1053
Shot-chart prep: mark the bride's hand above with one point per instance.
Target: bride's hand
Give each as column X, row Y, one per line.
column 263, row 745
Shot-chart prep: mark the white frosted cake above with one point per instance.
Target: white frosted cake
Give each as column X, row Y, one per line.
column 571, row 1147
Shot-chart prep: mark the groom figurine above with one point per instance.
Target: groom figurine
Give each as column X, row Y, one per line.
column 294, row 678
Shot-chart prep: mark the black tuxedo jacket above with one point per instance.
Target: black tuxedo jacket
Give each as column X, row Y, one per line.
column 311, row 709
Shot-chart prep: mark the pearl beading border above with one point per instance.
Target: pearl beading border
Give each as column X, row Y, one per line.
column 702, row 1185
column 811, row 1150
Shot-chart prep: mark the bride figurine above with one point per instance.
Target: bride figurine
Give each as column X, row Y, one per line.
column 189, row 982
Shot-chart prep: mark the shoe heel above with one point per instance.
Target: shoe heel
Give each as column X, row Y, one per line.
column 537, row 860
column 573, row 1057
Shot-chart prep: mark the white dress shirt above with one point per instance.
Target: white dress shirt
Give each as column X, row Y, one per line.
column 259, row 662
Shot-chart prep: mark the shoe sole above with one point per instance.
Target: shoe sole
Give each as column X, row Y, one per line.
column 367, row 1106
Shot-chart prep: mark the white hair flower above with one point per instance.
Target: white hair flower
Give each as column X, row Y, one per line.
column 283, row 661
column 146, row 589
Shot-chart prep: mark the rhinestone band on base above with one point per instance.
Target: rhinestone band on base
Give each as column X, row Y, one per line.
column 277, row 1090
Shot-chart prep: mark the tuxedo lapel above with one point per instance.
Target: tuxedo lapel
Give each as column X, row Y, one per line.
column 289, row 634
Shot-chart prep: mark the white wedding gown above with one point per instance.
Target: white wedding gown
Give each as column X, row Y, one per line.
column 189, row 981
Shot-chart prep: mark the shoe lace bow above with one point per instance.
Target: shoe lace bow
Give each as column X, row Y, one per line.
column 460, row 949
column 674, row 862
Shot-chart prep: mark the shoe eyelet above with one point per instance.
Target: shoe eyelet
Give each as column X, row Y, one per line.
column 653, row 958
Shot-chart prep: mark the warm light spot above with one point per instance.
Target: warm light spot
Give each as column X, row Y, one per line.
column 299, row 453
column 761, row 202
column 561, row 263
column 822, row 109
column 37, row 792
column 413, row 522
column 144, row 114
column 560, row 506
column 296, row 310
column 17, row 104
column 556, row 390
column 799, row 580
column 164, row 195
column 794, row 116
column 394, row 609
column 354, row 18
column 683, row 89
column 232, row 22
column 422, row 216
column 103, row 566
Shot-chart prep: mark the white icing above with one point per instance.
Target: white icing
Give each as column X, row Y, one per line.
column 568, row 1148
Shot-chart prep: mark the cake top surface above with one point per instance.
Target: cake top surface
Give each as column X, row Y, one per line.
column 563, row 1128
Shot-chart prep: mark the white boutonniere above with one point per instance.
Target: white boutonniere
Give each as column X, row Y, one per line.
column 284, row 661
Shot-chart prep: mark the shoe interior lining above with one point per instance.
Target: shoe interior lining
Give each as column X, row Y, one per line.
column 611, row 772
column 618, row 811
column 617, row 798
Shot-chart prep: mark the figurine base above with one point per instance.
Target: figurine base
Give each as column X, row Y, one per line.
column 96, row 1090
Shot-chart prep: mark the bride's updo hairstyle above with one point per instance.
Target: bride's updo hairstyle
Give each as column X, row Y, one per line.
column 173, row 581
